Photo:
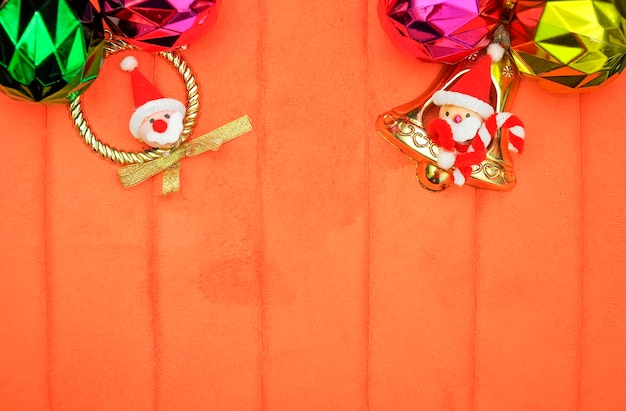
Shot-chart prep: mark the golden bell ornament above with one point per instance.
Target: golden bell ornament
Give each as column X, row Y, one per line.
column 406, row 126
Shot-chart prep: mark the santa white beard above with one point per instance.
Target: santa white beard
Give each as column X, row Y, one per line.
column 465, row 130
column 171, row 134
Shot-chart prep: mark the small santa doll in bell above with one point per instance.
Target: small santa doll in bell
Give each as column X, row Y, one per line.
column 467, row 121
column 157, row 121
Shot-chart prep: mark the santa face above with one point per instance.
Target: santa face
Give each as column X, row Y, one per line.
column 463, row 122
column 162, row 128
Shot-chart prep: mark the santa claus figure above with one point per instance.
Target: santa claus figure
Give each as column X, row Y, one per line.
column 157, row 121
column 467, row 121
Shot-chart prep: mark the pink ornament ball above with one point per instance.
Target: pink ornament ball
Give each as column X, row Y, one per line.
column 159, row 25
column 439, row 30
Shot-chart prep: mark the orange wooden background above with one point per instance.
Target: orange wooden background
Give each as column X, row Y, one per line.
column 302, row 267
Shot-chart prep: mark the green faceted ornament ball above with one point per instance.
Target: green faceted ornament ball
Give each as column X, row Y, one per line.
column 50, row 50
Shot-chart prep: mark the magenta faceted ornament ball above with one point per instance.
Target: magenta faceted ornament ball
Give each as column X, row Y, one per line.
column 438, row 30
column 159, row 25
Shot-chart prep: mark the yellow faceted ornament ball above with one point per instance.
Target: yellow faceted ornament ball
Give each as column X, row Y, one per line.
column 569, row 45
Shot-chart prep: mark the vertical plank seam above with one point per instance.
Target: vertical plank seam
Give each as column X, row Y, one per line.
column 475, row 314
column 153, row 292
column 368, row 239
column 582, row 251
column 46, row 262
column 261, row 202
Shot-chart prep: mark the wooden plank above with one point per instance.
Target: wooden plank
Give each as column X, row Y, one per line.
column 314, row 196
column 207, row 236
column 529, row 265
column 23, row 347
column 603, row 365
column 422, row 260
column 98, row 248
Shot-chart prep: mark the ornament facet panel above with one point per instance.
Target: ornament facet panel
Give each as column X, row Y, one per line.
column 569, row 45
column 444, row 31
column 158, row 25
column 51, row 50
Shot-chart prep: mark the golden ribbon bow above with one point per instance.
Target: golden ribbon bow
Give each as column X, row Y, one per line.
column 169, row 164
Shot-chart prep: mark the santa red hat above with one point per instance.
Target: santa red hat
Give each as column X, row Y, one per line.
column 472, row 90
column 148, row 100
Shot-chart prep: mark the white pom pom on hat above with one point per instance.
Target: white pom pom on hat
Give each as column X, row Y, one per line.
column 129, row 63
column 496, row 51
column 473, row 89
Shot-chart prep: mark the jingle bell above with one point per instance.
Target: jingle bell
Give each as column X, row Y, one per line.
column 406, row 127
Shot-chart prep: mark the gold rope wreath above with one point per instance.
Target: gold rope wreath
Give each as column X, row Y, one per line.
column 115, row 45
column 142, row 165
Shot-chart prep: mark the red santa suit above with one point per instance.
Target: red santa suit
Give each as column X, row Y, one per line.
column 468, row 152
column 472, row 92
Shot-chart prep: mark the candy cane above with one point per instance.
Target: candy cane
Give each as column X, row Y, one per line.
column 508, row 121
